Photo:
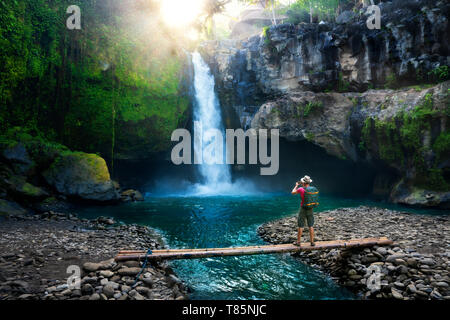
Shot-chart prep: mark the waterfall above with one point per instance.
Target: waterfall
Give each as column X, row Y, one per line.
column 207, row 115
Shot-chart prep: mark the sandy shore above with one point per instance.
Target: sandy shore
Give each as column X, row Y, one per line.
column 36, row 250
column 416, row 266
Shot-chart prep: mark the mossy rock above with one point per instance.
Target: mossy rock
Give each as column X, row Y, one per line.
column 53, row 204
column 23, row 190
column 26, row 152
column 406, row 194
column 15, row 153
column 131, row 195
column 81, row 175
column 9, row 208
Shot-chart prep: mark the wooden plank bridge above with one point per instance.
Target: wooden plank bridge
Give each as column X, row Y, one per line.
column 240, row 251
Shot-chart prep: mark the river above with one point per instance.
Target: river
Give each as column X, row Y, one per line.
column 225, row 221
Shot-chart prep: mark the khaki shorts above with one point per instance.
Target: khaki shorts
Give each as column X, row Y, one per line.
column 305, row 214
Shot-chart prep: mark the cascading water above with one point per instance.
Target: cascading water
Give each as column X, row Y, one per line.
column 207, row 115
column 214, row 174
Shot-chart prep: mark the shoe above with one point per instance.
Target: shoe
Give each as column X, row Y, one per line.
column 313, row 244
column 298, row 244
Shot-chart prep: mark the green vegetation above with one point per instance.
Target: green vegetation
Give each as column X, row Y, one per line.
column 265, row 34
column 311, row 107
column 420, row 87
column 265, row 31
column 304, row 110
column 400, row 138
column 120, row 77
column 29, row 190
column 442, row 146
column 342, row 85
column 301, row 10
column 310, row 136
column 441, row 73
column 362, row 146
column 32, row 140
column 275, row 110
column 391, row 81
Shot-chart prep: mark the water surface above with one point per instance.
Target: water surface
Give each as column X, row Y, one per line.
column 225, row 221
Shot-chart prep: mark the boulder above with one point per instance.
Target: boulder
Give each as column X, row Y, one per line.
column 21, row 189
column 138, row 196
column 11, row 208
column 131, row 195
column 81, row 175
column 16, row 154
column 403, row 193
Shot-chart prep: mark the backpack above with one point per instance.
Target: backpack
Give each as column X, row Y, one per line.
column 311, row 197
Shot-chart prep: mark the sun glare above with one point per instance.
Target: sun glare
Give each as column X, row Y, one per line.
column 180, row 13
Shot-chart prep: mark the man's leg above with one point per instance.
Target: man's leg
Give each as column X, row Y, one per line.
column 310, row 218
column 300, row 225
column 311, row 235
column 299, row 236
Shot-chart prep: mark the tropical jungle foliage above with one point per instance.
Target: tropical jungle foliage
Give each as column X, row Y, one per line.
column 120, row 76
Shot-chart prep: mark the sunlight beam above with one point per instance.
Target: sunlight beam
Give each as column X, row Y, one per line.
column 179, row 13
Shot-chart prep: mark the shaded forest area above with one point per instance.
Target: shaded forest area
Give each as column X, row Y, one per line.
column 119, row 78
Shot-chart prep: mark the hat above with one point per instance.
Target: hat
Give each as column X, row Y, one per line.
column 306, row 179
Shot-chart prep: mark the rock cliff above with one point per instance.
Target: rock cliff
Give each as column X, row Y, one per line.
column 376, row 96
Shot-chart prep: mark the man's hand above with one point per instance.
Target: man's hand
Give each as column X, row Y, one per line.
column 294, row 191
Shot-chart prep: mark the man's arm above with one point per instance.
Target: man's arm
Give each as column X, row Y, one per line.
column 294, row 191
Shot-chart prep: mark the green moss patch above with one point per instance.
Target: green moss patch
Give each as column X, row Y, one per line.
column 399, row 143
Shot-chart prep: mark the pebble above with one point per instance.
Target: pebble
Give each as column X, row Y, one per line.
column 95, row 297
column 52, row 244
column 417, row 266
column 91, row 266
column 108, row 290
column 106, row 273
column 396, row 293
column 129, row 271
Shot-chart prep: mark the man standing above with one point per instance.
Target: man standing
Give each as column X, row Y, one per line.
column 306, row 207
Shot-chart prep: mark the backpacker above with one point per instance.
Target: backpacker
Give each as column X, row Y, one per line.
column 311, row 197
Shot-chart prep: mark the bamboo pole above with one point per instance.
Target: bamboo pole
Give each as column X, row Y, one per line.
column 121, row 252
column 127, row 252
column 238, row 251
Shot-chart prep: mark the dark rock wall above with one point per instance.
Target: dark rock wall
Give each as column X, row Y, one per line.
column 346, row 73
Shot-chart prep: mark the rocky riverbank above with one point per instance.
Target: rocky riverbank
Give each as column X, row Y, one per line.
column 416, row 266
column 36, row 251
